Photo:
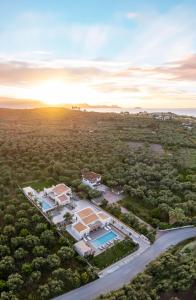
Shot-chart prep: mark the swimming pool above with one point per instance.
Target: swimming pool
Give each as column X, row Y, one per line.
column 102, row 240
column 45, row 206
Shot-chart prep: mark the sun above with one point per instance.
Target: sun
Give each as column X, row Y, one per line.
column 54, row 92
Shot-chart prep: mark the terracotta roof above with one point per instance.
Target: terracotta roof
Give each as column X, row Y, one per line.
column 63, row 198
column 103, row 216
column 85, row 212
column 80, row 227
column 91, row 176
column 60, row 189
column 91, row 218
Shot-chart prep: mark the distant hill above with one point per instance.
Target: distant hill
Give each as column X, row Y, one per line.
column 7, row 102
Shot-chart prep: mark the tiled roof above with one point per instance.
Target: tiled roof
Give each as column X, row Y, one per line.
column 60, row 189
column 91, row 218
column 103, row 216
column 90, row 176
column 63, row 198
column 85, row 212
column 80, row 227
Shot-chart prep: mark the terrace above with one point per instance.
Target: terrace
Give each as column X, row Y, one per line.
column 104, row 238
column 40, row 199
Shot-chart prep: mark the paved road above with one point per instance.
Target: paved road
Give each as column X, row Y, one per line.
column 124, row 274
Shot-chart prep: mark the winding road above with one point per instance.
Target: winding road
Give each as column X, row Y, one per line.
column 127, row 272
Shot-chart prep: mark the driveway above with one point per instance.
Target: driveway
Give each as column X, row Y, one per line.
column 112, row 197
column 127, row 272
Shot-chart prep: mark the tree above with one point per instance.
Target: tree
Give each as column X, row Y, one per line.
column 15, row 282
column 9, row 230
column 2, row 285
column 59, row 273
column 53, row 261
column 27, row 268
column 8, row 219
column 47, row 237
column 67, row 218
column 38, row 263
column 40, row 251
column 44, row 291
column 4, row 250
column 65, row 253
column 84, row 277
column 56, row 286
column 20, row 254
column 35, row 277
column 8, row 296
column 32, row 241
column 7, row 265
column 176, row 215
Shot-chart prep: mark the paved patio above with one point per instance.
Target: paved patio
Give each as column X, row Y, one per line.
column 112, row 197
column 98, row 233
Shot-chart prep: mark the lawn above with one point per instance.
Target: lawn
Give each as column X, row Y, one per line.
column 111, row 255
column 137, row 207
column 39, row 185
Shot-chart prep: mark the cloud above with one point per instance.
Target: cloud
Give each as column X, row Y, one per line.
column 101, row 81
column 132, row 15
column 114, row 87
column 184, row 70
column 161, row 37
column 18, row 72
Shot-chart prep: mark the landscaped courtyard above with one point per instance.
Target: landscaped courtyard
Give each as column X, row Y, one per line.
column 87, row 222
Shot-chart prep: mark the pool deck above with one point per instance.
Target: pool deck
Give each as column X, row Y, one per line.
column 42, row 198
column 100, row 232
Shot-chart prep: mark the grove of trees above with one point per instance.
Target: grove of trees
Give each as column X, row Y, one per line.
column 54, row 145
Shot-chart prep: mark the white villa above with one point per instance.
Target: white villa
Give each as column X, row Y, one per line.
column 91, row 178
column 87, row 220
column 60, row 194
column 83, row 249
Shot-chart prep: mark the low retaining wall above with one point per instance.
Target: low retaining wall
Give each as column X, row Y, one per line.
column 175, row 228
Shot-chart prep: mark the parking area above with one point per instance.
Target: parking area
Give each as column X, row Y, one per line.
column 112, row 197
column 108, row 194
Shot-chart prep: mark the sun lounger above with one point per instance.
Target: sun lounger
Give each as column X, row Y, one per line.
column 109, row 227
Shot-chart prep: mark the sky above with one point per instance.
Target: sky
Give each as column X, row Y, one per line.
column 123, row 52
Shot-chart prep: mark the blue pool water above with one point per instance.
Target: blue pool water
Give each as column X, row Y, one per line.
column 45, row 205
column 102, row 240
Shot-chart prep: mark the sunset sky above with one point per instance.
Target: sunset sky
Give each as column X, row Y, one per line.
column 125, row 52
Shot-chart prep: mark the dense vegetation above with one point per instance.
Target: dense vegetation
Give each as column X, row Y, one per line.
column 54, row 145
column 170, row 276
column 111, row 255
column 35, row 263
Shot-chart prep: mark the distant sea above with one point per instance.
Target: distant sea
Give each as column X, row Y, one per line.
column 177, row 111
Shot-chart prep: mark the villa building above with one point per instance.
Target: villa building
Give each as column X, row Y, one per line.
column 91, row 178
column 83, row 249
column 87, row 220
column 60, row 194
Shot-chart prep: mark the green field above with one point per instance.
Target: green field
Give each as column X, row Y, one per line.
column 111, row 255
column 39, row 185
column 138, row 207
